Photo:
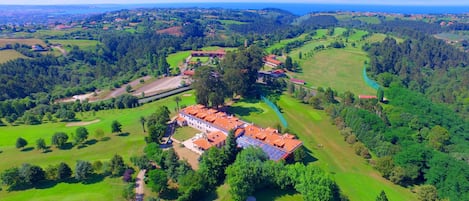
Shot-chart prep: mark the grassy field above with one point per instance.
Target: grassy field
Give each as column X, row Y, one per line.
column 126, row 146
column 284, row 42
column 30, row 42
column 82, row 44
column 340, row 69
column 255, row 112
column 202, row 59
column 108, row 189
column 228, row 22
column 177, row 58
column 184, row 133
column 356, row 178
column 7, row 55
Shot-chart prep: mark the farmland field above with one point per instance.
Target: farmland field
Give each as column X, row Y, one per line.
column 82, row 44
column 30, row 42
column 7, row 55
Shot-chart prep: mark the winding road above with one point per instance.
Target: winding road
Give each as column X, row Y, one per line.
column 139, row 185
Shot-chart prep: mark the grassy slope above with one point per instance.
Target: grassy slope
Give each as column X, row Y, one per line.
column 357, row 179
column 102, row 150
column 7, row 55
column 30, row 42
column 340, row 69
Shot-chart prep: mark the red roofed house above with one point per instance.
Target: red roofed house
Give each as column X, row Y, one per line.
column 297, row 81
column 217, row 124
column 271, row 60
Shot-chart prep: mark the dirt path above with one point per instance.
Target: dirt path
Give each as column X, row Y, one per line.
column 64, row 53
column 82, row 123
column 139, row 185
column 119, row 91
column 160, row 85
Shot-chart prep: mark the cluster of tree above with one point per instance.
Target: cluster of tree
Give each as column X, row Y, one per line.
column 40, row 109
column 236, row 75
column 414, row 139
column 318, row 98
column 156, row 124
column 426, row 65
column 252, row 171
column 27, row 176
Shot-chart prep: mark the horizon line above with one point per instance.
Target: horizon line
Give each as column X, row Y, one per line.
column 232, row 2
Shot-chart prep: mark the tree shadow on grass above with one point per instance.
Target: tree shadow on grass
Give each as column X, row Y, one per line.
column 105, row 139
column 95, row 178
column 91, row 142
column 26, row 149
column 244, row 111
column 67, row 146
column 46, row 184
column 123, row 134
column 46, row 151
column 309, row 156
column 81, row 146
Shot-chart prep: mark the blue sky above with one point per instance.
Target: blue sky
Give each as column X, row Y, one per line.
column 379, row 2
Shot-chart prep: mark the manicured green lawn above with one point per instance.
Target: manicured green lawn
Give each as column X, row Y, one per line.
column 255, row 112
column 8, row 55
column 108, row 189
column 340, row 69
column 126, row 146
column 177, row 58
column 184, row 133
column 201, row 59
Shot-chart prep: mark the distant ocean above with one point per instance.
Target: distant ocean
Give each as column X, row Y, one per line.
column 295, row 8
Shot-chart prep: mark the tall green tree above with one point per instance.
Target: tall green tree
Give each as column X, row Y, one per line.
column 41, row 144
column 117, row 165
column 177, row 99
column 438, row 138
column 142, row 121
column 209, row 86
column 81, row 134
column 116, row 127
column 382, row 197
column 11, row 177
column 158, row 180
column 231, row 147
column 64, row 171
column 83, row 170
column 59, row 139
column 380, row 94
column 241, row 69
column 21, row 143
column 289, row 63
